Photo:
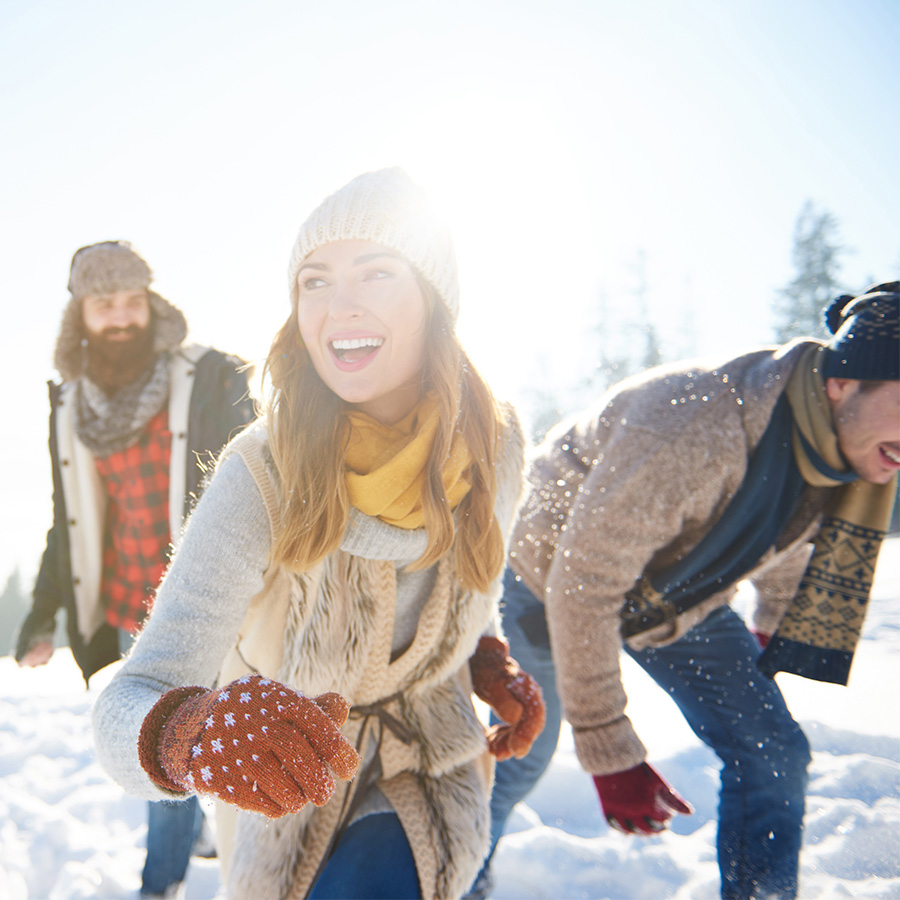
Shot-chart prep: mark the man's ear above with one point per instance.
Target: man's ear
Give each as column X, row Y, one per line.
column 838, row 389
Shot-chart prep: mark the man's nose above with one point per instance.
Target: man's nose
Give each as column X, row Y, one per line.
column 122, row 316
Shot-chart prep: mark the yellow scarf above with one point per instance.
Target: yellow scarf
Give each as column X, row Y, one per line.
column 820, row 630
column 385, row 465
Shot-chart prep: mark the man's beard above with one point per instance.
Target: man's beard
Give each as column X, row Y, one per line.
column 111, row 364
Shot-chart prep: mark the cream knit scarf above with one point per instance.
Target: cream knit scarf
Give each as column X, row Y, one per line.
column 819, row 632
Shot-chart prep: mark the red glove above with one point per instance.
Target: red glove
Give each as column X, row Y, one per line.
column 762, row 639
column 256, row 743
column 512, row 694
column 638, row 800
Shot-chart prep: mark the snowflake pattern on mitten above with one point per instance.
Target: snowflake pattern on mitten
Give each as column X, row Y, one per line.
column 255, row 742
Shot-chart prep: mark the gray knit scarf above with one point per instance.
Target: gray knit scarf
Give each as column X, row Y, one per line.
column 109, row 424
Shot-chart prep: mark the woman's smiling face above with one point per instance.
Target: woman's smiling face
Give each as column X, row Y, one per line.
column 363, row 318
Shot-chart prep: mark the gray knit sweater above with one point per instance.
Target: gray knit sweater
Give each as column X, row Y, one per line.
column 229, row 535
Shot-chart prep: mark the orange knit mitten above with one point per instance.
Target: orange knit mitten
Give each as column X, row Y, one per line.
column 514, row 696
column 256, row 743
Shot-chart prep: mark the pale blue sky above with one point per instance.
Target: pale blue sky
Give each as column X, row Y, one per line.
column 562, row 138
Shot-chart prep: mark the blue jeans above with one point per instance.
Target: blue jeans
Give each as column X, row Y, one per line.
column 372, row 861
column 172, row 828
column 525, row 626
column 740, row 714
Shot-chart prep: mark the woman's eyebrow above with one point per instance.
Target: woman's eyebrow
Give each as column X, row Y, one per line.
column 358, row 261
column 368, row 257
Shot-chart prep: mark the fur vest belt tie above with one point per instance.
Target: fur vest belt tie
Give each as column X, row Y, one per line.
column 379, row 710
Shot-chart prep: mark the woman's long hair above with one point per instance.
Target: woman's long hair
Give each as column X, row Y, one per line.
column 307, row 436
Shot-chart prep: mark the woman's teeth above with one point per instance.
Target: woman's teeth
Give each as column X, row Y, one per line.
column 355, row 349
column 356, row 343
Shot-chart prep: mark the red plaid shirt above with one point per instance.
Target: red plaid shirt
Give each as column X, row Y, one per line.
column 137, row 539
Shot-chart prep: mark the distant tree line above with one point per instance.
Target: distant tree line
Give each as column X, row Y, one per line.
column 624, row 340
column 627, row 340
column 629, row 343
column 14, row 604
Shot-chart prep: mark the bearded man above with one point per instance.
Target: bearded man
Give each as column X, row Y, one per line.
column 134, row 423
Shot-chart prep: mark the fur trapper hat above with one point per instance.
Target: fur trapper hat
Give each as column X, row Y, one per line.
column 388, row 208
column 866, row 329
column 101, row 269
column 106, row 267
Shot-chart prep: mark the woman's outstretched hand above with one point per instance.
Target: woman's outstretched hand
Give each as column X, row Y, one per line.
column 512, row 694
column 255, row 742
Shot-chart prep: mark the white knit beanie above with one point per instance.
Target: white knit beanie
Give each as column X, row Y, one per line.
column 388, row 208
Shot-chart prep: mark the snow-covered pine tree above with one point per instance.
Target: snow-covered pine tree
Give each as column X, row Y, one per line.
column 798, row 306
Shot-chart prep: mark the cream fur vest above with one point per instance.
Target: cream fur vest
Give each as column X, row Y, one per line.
column 330, row 629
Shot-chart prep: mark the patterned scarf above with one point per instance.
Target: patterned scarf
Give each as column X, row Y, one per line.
column 385, row 465
column 108, row 424
column 819, row 632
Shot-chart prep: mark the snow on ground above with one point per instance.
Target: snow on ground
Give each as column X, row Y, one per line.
column 68, row 833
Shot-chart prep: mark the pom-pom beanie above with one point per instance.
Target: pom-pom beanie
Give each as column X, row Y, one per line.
column 388, row 208
column 866, row 329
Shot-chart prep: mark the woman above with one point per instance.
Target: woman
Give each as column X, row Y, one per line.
column 340, row 577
